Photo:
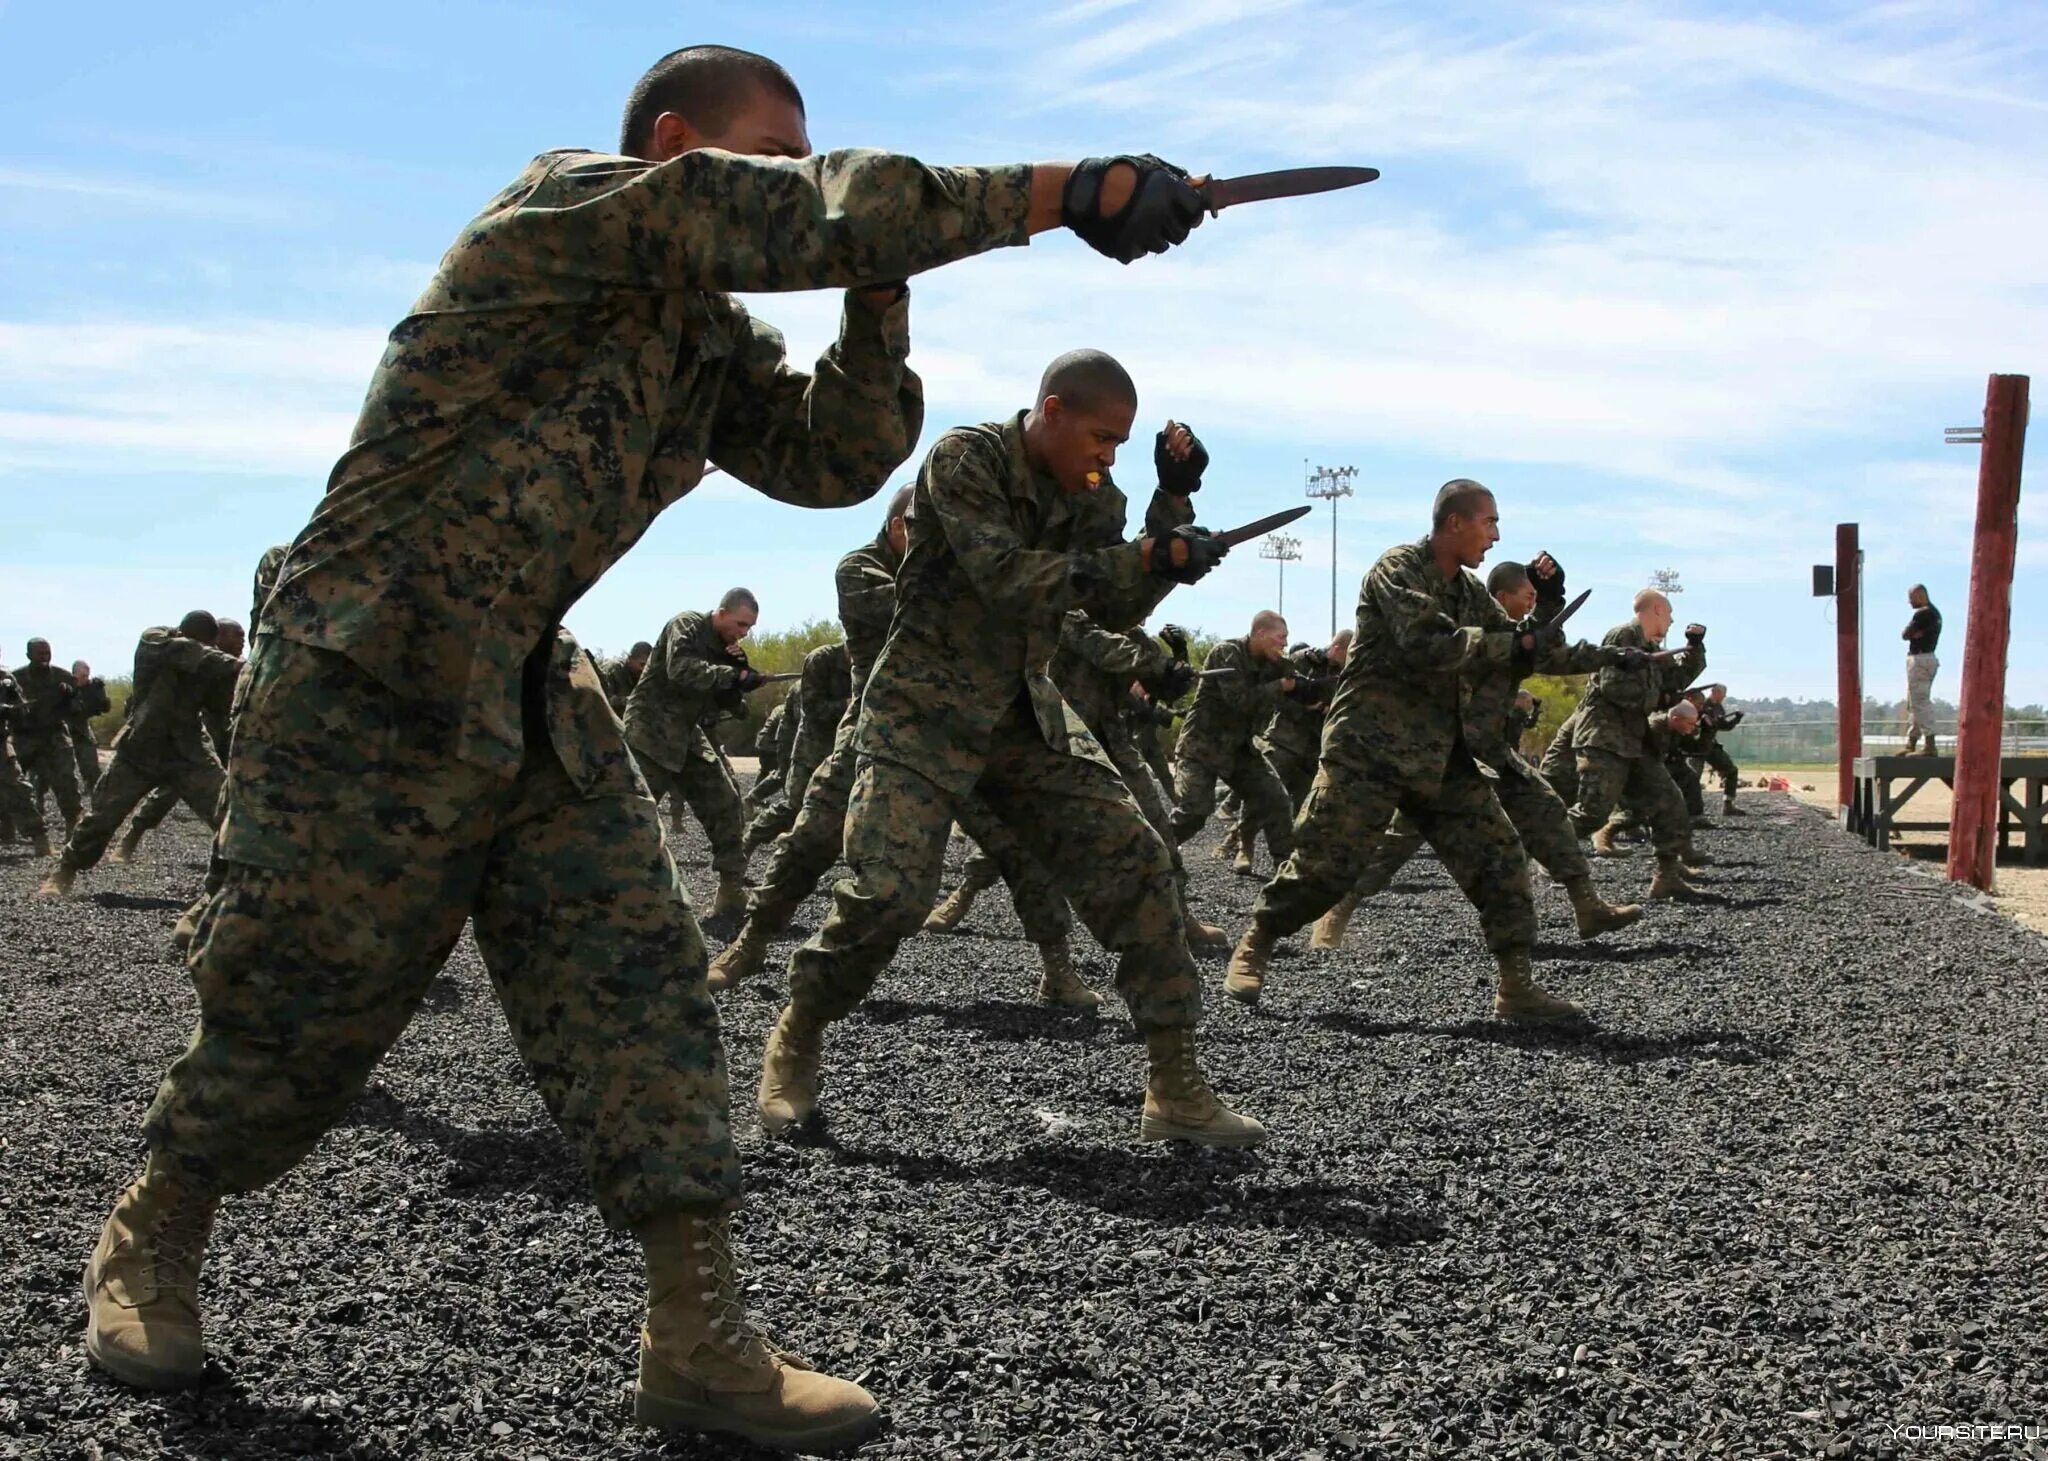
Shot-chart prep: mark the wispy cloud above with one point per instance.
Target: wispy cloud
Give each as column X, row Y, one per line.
column 134, row 194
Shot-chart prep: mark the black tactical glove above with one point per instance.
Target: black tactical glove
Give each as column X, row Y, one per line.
column 1532, row 641
column 1177, row 679
column 1203, row 552
column 1177, row 477
column 750, row 680
column 1628, row 658
column 1161, row 212
column 1732, row 718
column 1550, row 587
column 1175, row 639
column 1696, row 635
column 1309, row 689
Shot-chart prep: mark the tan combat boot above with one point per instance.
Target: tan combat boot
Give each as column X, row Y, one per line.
column 1060, row 984
column 142, row 1283
column 187, row 927
column 1595, row 914
column 1525, row 1002
column 124, row 851
column 1227, row 849
column 1693, row 858
column 39, row 840
column 730, row 901
column 1670, row 881
column 1205, row 937
column 789, row 1071
column 1729, row 809
column 1179, row 1104
column 704, row 1366
column 741, row 959
column 58, row 883
column 1247, row 973
column 1332, row 926
column 1604, row 844
column 950, row 914
column 1241, row 863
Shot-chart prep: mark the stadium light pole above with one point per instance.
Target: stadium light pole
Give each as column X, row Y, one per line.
column 1328, row 484
column 1283, row 549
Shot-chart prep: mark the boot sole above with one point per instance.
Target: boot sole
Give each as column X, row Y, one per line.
column 1526, row 1017
column 127, row 1371
column 665, row 1414
column 1242, row 996
column 1150, row 1128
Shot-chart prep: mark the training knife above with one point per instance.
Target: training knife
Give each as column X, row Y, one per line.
column 1263, row 526
column 1288, row 182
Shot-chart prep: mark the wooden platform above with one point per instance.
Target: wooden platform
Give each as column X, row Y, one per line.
column 1874, row 810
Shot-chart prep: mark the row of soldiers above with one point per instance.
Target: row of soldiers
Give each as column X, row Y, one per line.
column 420, row 747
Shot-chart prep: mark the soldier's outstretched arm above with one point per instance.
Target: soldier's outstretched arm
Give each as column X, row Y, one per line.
column 1133, row 656
column 830, row 438
column 1426, row 637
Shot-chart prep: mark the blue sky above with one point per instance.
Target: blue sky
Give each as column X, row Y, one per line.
column 1685, row 285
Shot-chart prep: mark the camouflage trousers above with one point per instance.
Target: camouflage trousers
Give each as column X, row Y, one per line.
column 49, row 765
column 18, row 814
column 799, row 859
column 123, row 785
column 706, row 786
column 1604, row 780
column 1296, row 770
column 1346, row 818
column 1685, row 775
column 1266, row 807
column 1073, row 816
column 354, row 850
column 86, row 752
column 1537, row 813
column 155, row 807
column 1719, row 761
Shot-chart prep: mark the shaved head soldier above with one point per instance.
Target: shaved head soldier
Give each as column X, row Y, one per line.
column 1397, row 742
column 89, row 701
column 1015, row 524
column 1244, row 680
column 420, row 743
column 42, row 731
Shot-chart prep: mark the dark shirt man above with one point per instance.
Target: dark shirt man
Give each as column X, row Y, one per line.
column 1922, row 636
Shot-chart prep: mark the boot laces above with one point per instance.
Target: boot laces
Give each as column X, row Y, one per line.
column 178, row 1245
column 726, row 1311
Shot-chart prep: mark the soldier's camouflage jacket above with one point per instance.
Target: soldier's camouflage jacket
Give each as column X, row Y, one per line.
column 866, row 584
column 178, row 681
column 1423, row 638
column 47, row 693
column 1296, row 728
column 771, row 745
column 690, row 679
column 1492, row 727
column 826, row 686
column 1095, row 666
column 564, row 378
column 1614, row 715
column 267, row 570
column 1230, row 710
column 618, row 678
column 87, row 701
column 998, row 556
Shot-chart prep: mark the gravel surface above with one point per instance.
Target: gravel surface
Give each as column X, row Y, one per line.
column 1788, row 1197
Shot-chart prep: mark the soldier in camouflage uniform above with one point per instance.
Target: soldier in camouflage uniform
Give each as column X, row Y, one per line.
column 621, row 675
column 42, row 736
column 801, row 856
column 1151, row 720
column 213, row 717
column 1705, row 746
column 697, row 672
column 1397, row 740
column 772, row 745
column 418, row 743
column 163, row 742
column 88, row 701
column 18, row 815
column 1612, row 757
column 815, row 707
column 1217, row 740
column 1292, row 741
column 1491, row 730
column 1014, row 525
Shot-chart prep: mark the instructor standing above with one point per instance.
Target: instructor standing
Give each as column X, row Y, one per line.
column 1922, row 635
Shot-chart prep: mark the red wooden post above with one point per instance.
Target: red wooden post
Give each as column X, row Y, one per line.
column 1848, row 661
column 1973, row 826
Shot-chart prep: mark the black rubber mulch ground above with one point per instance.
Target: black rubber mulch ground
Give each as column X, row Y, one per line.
column 1788, row 1197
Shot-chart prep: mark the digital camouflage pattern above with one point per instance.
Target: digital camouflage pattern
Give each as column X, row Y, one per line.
column 1617, row 757
column 960, row 706
column 1292, row 740
column 618, row 678
column 1395, row 741
column 42, row 734
column 1150, row 725
column 822, row 697
column 1218, row 741
column 689, row 681
column 215, row 713
column 268, row 570
column 420, row 745
column 88, row 701
column 567, row 373
column 357, row 849
column 163, row 742
column 17, row 804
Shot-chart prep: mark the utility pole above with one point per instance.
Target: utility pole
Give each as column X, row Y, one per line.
column 1329, row 484
column 1283, row 549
